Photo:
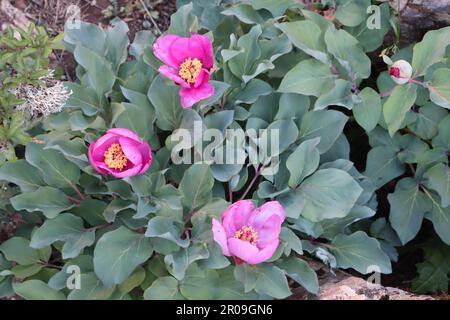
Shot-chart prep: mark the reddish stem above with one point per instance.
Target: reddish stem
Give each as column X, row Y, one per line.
column 257, row 174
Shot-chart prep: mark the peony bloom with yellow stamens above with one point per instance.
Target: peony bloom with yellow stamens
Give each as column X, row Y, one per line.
column 187, row 61
column 247, row 233
column 121, row 153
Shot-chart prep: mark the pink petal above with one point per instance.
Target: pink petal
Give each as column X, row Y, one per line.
column 204, row 41
column 269, row 232
column 133, row 171
column 265, row 212
column 220, row 236
column 190, row 96
column 184, row 48
column 131, row 150
column 125, row 133
column 101, row 145
column 94, row 163
column 203, row 77
column 172, row 74
column 162, row 50
column 249, row 253
column 146, row 153
column 236, row 216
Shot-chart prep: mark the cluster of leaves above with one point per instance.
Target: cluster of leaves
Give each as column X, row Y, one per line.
column 278, row 66
column 24, row 59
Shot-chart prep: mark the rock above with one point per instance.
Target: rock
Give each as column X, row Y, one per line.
column 419, row 16
column 339, row 285
column 14, row 15
column 353, row 288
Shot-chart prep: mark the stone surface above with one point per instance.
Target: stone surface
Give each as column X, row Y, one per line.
column 339, row 285
column 419, row 16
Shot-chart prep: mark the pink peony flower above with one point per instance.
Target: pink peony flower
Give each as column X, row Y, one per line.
column 188, row 62
column 247, row 233
column 121, row 153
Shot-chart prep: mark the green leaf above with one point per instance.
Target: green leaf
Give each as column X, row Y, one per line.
column 117, row 43
column 254, row 89
column 91, row 288
column 99, row 74
column 196, row 186
column 367, row 112
column 166, row 228
column 118, row 253
column 434, row 271
column 277, row 8
column 246, row 274
column 340, row 95
column 18, row 249
column 142, row 40
column 430, row 50
column 345, row 48
column 440, row 217
column 137, row 118
column 83, row 98
column 438, row 179
column 309, row 77
column 326, row 124
column 292, row 240
column 272, row 281
column 427, row 120
column 442, row 139
column 55, row 169
column 301, row 272
column 207, row 284
column 136, row 278
column 22, row 174
column 328, row 193
column 439, row 87
column 48, row 200
column 280, row 134
column 165, row 288
column 242, row 63
column 65, row 227
column 88, row 35
column 245, row 13
column 179, row 261
column 372, row 38
column 360, row 252
column 307, row 36
column 166, row 100
column 408, row 207
column 383, row 165
column 303, row 161
column 183, row 22
column 351, row 12
column 37, row 290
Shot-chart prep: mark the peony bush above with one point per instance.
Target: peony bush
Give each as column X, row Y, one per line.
column 129, row 191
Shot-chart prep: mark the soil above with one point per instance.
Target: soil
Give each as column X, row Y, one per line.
column 52, row 14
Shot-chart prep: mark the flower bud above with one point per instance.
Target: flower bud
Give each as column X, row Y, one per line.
column 400, row 71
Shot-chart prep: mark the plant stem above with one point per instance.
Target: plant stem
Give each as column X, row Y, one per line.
column 257, row 174
column 77, row 201
column 74, row 187
column 417, row 82
column 98, row 227
column 230, row 193
column 151, row 18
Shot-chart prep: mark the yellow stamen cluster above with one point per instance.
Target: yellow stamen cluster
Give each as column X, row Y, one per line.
column 115, row 158
column 190, row 69
column 248, row 234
